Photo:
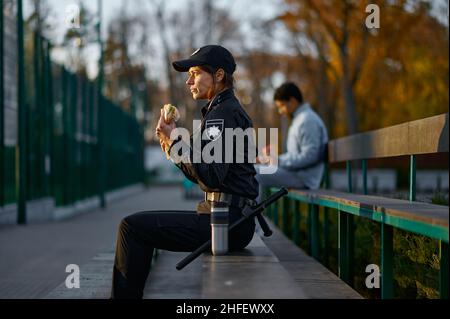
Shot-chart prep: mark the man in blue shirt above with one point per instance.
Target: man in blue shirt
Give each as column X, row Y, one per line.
column 302, row 166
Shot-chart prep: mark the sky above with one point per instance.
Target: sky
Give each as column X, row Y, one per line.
column 242, row 10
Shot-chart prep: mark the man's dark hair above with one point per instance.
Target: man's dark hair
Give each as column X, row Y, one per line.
column 286, row 91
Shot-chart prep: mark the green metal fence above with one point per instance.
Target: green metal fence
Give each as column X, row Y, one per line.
column 311, row 232
column 2, row 107
column 82, row 121
column 73, row 142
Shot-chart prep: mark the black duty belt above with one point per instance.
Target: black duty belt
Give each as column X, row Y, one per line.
column 232, row 200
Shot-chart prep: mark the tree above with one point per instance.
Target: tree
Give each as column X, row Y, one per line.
column 125, row 70
column 180, row 35
column 76, row 39
column 360, row 62
column 38, row 20
column 335, row 25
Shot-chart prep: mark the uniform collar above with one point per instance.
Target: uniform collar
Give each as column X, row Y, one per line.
column 301, row 108
column 218, row 99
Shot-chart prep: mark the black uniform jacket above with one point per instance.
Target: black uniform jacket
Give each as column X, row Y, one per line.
column 222, row 175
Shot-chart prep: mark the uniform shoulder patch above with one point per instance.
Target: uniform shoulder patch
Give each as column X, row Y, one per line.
column 214, row 129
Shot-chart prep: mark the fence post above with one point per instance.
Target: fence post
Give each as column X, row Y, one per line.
column 50, row 119
column 350, row 237
column 45, row 110
column 21, row 101
column 314, row 215
column 326, row 221
column 72, row 141
column 284, row 215
column 349, row 177
column 100, row 119
column 276, row 208
column 35, row 123
column 296, row 221
column 387, row 265
column 326, row 236
column 342, row 246
column 65, row 138
column 364, row 171
column 2, row 109
column 412, row 178
column 443, row 270
column 350, row 247
column 308, row 229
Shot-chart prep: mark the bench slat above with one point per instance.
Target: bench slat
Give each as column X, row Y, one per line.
column 421, row 218
column 253, row 273
column 423, row 212
column 426, row 136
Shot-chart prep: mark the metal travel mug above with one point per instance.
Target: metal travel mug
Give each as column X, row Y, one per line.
column 219, row 228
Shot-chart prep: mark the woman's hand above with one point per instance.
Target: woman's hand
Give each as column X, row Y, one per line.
column 163, row 145
column 163, row 130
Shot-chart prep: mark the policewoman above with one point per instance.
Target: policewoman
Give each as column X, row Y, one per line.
column 210, row 77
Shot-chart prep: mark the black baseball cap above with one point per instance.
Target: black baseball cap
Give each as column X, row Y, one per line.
column 213, row 55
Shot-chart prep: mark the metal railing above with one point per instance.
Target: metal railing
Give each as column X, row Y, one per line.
column 425, row 136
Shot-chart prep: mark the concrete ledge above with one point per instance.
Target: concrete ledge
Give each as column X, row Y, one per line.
column 123, row 192
column 39, row 210
column 42, row 210
column 78, row 207
column 91, row 203
column 8, row 215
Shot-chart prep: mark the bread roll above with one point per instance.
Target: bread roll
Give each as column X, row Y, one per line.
column 171, row 113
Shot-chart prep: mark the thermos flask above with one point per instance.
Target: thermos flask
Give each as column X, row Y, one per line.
column 219, row 228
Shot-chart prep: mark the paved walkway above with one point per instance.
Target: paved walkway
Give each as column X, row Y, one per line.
column 33, row 258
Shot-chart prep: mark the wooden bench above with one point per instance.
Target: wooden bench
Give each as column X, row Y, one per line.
column 253, row 273
column 424, row 136
column 271, row 269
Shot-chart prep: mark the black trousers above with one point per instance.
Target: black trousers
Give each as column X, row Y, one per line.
column 180, row 231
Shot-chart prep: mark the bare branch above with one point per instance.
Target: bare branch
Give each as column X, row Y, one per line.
column 361, row 57
column 326, row 24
